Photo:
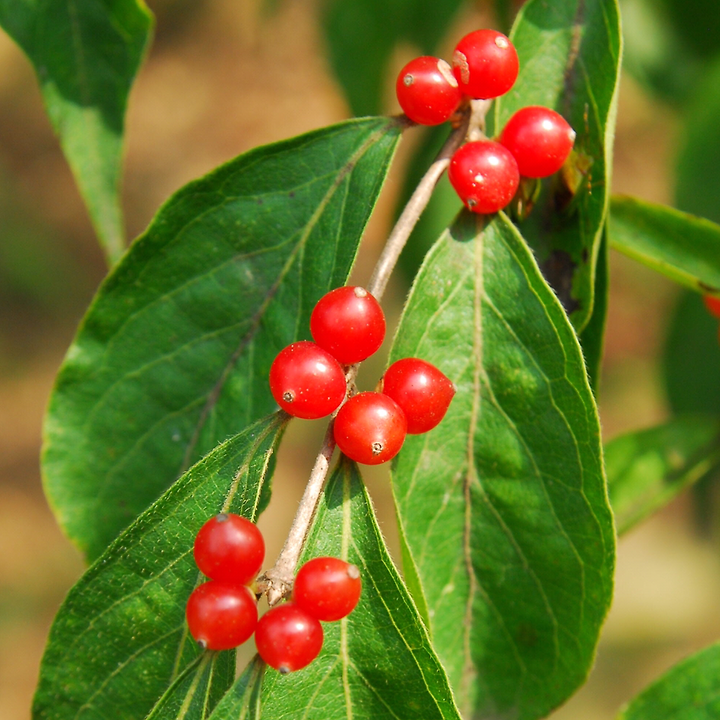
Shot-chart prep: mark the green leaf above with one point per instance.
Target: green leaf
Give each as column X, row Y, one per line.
column 196, row 690
column 682, row 247
column 688, row 691
column 174, row 353
column 698, row 165
column 86, row 54
column 503, row 507
column 378, row 662
column 120, row 638
column 242, row 701
column 362, row 34
column 569, row 60
column 691, row 358
column 648, row 468
column 592, row 337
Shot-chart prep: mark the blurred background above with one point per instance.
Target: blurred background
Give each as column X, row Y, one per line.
column 223, row 76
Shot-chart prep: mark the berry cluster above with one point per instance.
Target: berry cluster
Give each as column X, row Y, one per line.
column 222, row 612
column 290, row 636
column 534, row 143
column 308, row 381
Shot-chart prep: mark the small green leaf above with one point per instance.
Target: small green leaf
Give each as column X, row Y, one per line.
column 377, row 662
column 698, row 165
column 242, row 701
column 682, row 247
column 503, row 507
column 174, row 353
column 569, row 61
column 688, row 691
column 592, row 337
column 362, row 34
column 648, row 468
column 196, row 690
column 86, row 54
column 120, row 638
column 691, row 358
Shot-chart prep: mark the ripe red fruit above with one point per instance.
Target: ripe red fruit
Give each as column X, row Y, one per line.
column 229, row 548
column 421, row 390
column 328, row 588
column 370, row 428
column 221, row 615
column 306, row 381
column 349, row 323
column 288, row 638
column 427, row 90
column 539, row 139
column 712, row 304
column 485, row 64
column 484, row 175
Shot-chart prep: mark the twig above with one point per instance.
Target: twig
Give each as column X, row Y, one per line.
column 277, row 582
column 417, row 203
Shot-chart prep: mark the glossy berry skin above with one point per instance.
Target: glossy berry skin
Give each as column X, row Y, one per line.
column 485, row 64
column 539, row 139
column 349, row 323
column 306, row 381
column 484, row 175
column 328, row 588
column 421, row 390
column 370, row 428
column 288, row 638
column 427, row 90
column 229, row 548
column 712, row 304
column 221, row 615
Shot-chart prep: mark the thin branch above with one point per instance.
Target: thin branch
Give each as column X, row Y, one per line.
column 277, row 582
column 414, row 208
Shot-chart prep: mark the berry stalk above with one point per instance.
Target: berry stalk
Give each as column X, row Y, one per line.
column 277, row 582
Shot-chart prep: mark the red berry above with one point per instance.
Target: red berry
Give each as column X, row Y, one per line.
column 539, row 139
column 427, row 90
column 306, row 381
column 328, row 588
column 484, row 175
column 712, row 304
column 485, row 64
column 349, row 323
column 221, row 615
column 229, row 548
column 421, row 390
column 288, row 638
column 370, row 428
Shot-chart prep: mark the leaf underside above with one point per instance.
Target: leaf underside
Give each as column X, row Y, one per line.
column 174, row 353
column 648, row 468
column 502, row 508
column 86, row 55
column 683, row 247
